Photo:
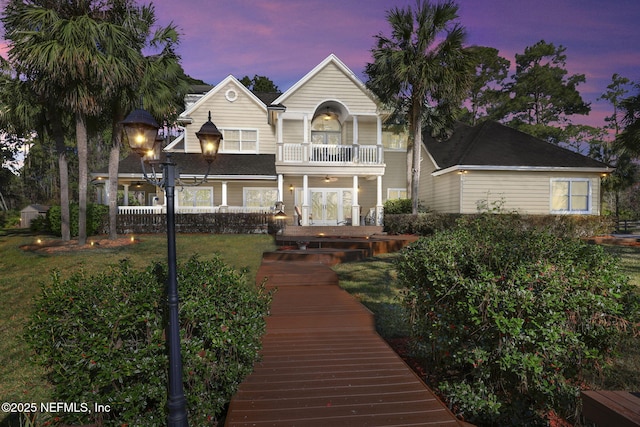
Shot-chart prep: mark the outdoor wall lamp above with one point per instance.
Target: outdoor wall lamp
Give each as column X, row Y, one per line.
column 142, row 134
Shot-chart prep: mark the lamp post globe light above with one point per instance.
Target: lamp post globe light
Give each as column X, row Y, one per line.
column 142, row 134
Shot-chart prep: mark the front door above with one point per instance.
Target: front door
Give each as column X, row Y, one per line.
column 330, row 206
column 324, row 207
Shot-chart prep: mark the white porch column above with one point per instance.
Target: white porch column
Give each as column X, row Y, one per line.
column 305, row 138
column 355, row 206
column 379, row 201
column 225, row 191
column 280, row 188
column 356, row 141
column 380, row 150
column 126, row 195
column 280, row 137
column 305, row 200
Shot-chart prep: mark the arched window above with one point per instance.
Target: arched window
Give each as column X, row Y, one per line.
column 326, row 129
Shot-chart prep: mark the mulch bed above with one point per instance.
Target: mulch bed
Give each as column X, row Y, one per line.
column 57, row 246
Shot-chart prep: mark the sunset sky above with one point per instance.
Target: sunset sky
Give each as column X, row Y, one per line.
column 284, row 39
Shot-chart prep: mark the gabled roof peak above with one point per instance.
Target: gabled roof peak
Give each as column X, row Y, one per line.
column 331, row 59
column 220, row 86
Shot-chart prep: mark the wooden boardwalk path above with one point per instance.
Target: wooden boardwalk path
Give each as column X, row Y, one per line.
column 324, row 365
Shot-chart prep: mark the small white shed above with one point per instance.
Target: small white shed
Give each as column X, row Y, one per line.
column 31, row 212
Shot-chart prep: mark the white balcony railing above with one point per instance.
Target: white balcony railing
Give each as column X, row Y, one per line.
column 328, row 153
column 369, row 154
column 331, row 153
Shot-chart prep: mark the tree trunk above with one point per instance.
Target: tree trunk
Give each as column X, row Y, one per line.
column 81, row 136
column 416, row 130
column 63, row 167
column 409, row 165
column 415, row 172
column 112, row 186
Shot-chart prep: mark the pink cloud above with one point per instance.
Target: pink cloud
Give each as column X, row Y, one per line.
column 4, row 49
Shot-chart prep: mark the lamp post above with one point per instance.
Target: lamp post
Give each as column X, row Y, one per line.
column 142, row 130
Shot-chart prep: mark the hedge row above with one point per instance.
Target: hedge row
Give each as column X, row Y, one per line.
column 426, row 224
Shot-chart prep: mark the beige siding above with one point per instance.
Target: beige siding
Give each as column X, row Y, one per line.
column 293, row 131
column 521, row 191
column 367, row 133
column 438, row 193
column 395, row 175
column 445, row 195
column 243, row 113
column 330, row 83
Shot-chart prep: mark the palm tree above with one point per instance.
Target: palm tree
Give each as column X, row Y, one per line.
column 162, row 84
column 629, row 138
column 24, row 111
column 73, row 57
column 424, row 69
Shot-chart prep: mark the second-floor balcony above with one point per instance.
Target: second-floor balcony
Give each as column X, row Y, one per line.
column 330, row 154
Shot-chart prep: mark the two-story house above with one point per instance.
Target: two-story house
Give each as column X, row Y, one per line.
column 320, row 151
column 319, row 148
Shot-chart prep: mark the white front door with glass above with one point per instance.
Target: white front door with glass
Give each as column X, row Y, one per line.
column 330, row 206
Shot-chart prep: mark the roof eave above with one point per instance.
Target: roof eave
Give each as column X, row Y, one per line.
column 460, row 168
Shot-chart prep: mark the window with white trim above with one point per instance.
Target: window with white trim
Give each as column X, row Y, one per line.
column 260, row 197
column 326, row 129
column 570, row 195
column 189, row 196
column 396, row 193
column 239, row 141
column 394, row 141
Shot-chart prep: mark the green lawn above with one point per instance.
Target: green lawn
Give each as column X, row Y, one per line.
column 22, row 273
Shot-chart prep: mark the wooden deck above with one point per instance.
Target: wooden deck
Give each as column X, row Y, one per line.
column 322, row 362
column 608, row 408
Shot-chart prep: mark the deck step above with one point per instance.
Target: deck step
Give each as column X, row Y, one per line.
column 296, row 273
column 326, row 256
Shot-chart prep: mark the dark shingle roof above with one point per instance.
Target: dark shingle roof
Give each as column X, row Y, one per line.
column 223, row 165
column 267, row 97
column 493, row 144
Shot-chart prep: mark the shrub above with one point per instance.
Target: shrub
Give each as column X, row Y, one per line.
column 101, row 340
column 97, row 216
column 509, row 318
column 39, row 224
column 9, row 219
column 422, row 224
column 397, row 206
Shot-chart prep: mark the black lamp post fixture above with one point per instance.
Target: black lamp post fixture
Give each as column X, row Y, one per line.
column 142, row 132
